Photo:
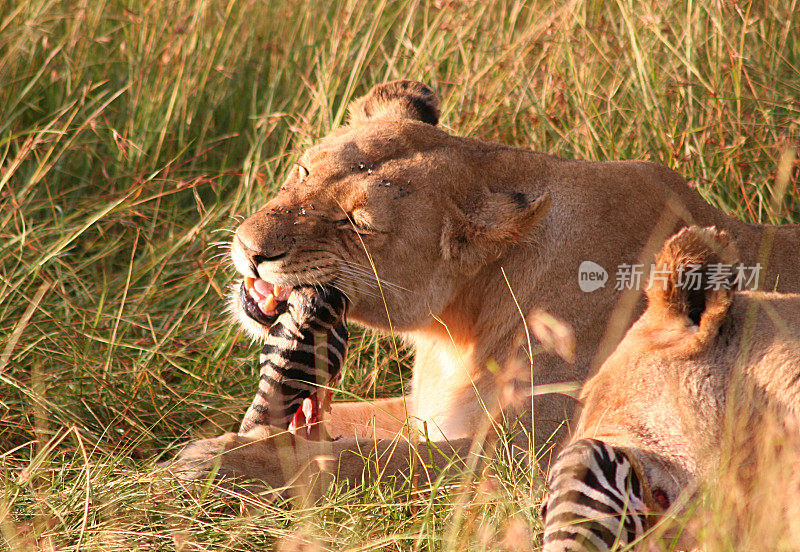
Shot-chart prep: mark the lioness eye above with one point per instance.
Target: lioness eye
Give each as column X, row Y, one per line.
column 355, row 225
column 302, row 171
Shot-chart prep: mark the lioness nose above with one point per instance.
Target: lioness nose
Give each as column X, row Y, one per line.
column 261, row 238
column 258, row 256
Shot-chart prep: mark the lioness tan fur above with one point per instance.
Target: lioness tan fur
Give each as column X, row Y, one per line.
column 464, row 236
column 705, row 388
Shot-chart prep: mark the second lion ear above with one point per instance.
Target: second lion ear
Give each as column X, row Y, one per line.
column 695, row 278
column 481, row 233
column 400, row 99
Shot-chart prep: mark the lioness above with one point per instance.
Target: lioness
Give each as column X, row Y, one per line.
column 705, row 385
column 450, row 242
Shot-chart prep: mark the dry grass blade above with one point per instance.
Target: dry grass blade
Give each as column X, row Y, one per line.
column 16, row 333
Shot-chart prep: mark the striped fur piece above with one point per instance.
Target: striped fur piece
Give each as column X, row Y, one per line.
column 304, row 351
column 596, row 501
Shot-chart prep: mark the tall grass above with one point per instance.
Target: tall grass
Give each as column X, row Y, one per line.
column 133, row 133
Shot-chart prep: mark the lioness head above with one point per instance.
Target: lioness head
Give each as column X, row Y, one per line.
column 390, row 209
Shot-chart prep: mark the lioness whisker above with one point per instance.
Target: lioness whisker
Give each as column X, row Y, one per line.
column 355, row 287
column 370, row 274
column 356, row 277
column 344, row 291
column 218, row 255
column 358, row 284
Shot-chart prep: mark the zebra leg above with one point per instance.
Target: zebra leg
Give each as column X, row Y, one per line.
column 330, row 349
column 599, row 499
column 301, row 358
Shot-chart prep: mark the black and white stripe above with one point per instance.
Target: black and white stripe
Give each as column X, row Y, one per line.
column 305, row 349
column 596, row 500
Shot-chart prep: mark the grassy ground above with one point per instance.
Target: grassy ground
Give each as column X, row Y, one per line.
column 133, row 133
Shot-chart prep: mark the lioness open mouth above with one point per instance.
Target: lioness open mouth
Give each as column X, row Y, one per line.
column 263, row 301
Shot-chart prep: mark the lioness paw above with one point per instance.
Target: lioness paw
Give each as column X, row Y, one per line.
column 199, row 459
column 230, row 460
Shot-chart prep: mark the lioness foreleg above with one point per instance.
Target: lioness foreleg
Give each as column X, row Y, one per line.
column 282, row 460
column 378, row 419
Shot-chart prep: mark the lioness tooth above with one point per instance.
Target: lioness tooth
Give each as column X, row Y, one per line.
column 281, row 293
column 248, row 282
column 270, row 303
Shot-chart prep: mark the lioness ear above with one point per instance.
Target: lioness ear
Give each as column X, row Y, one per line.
column 482, row 233
column 693, row 277
column 400, row 99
